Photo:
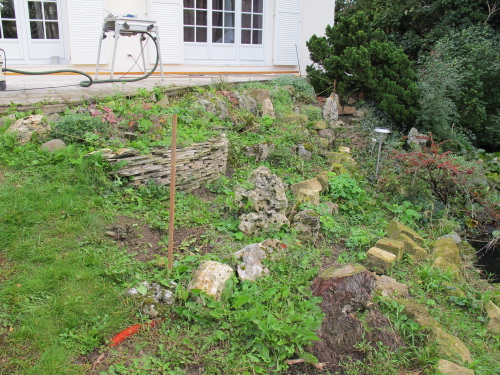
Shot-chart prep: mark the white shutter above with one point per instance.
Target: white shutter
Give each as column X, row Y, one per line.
column 287, row 32
column 168, row 17
column 85, row 25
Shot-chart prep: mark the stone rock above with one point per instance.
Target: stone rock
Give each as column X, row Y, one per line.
column 296, row 119
column 416, row 140
column 346, row 110
column 323, row 143
column 418, row 313
column 331, row 108
column 260, row 95
column 324, row 179
column 50, row 109
column 252, row 255
column 308, row 196
column 312, row 184
column 340, row 158
column 247, row 102
column 389, row 287
column 307, row 225
column 9, row 118
column 267, row 199
column 337, row 124
column 268, row 108
column 333, row 208
column 54, row 117
column 344, row 149
column 467, row 252
column 493, row 312
column 415, row 251
column 449, row 368
column 338, row 168
column 326, row 133
column 52, row 145
column 320, row 125
column 26, row 127
column 447, row 249
column 449, row 346
column 260, row 151
column 446, row 265
column 454, row 236
column 209, row 106
column 211, row 277
column 452, row 290
column 163, row 102
column 303, row 152
column 222, row 108
column 393, row 246
column 151, row 297
column 359, row 114
column 394, row 229
column 379, row 260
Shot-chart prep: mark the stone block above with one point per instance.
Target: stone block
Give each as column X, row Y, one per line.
column 340, row 158
column 419, row 314
column 389, row 287
column 52, row 145
column 308, row 196
column 312, row 184
column 395, row 228
column 447, row 249
column 449, row 346
column 344, row 149
column 445, row 367
column 211, row 277
column 415, row 251
column 338, row 168
column 320, row 125
column 444, row 264
column 396, row 247
column 379, row 260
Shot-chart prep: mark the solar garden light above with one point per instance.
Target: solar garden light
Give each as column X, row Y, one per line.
column 380, row 135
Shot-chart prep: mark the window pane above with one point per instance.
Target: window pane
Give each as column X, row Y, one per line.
column 246, row 21
column 216, row 35
column 246, row 36
column 217, row 18
column 257, row 37
column 9, row 29
column 229, row 36
column 35, row 10
column 189, row 34
column 37, row 30
column 229, row 20
column 8, row 9
column 257, row 21
column 188, row 3
column 201, row 4
column 52, row 30
column 229, row 5
column 217, row 4
column 50, row 11
column 201, row 34
column 188, row 17
column 247, row 6
column 201, row 17
column 258, row 6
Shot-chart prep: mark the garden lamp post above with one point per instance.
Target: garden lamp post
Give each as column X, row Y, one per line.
column 380, row 135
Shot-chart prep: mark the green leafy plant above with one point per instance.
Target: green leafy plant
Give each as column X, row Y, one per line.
column 74, row 127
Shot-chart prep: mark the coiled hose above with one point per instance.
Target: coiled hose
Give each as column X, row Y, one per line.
column 91, row 81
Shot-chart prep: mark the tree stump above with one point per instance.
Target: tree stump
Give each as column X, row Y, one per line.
column 350, row 317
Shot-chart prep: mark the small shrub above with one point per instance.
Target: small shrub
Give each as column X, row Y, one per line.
column 74, row 127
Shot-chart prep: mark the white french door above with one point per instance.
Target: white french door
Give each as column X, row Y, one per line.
column 223, row 30
column 31, row 31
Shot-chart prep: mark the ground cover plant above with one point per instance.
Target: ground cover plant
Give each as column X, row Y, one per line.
column 74, row 240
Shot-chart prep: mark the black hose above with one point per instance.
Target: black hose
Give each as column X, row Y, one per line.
column 90, row 80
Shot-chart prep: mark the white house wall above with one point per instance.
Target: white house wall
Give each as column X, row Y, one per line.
column 312, row 18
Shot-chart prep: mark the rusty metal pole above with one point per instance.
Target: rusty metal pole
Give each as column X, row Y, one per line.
column 170, row 253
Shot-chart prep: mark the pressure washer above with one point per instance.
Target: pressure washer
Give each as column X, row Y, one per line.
column 111, row 23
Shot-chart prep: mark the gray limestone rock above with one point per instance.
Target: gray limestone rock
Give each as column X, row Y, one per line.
column 52, row 145
column 252, row 255
column 209, row 106
column 260, row 151
column 268, row 108
column 247, row 102
column 331, row 108
column 26, row 127
column 267, row 200
column 163, row 102
column 260, row 95
column 307, row 225
column 211, row 277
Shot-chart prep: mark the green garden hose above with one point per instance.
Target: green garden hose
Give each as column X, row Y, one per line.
column 91, row 81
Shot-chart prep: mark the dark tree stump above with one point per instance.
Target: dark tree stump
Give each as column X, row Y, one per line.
column 350, row 317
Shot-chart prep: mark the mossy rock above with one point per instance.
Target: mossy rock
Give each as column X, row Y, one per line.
column 395, row 228
column 379, row 260
column 418, row 313
column 449, row 346
column 467, row 252
column 340, row 158
column 319, row 125
column 415, row 251
column 447, row 249
column 443, row 263
column 323, row 179
column 452, row 290
column 296, row 119
column 338, row 168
